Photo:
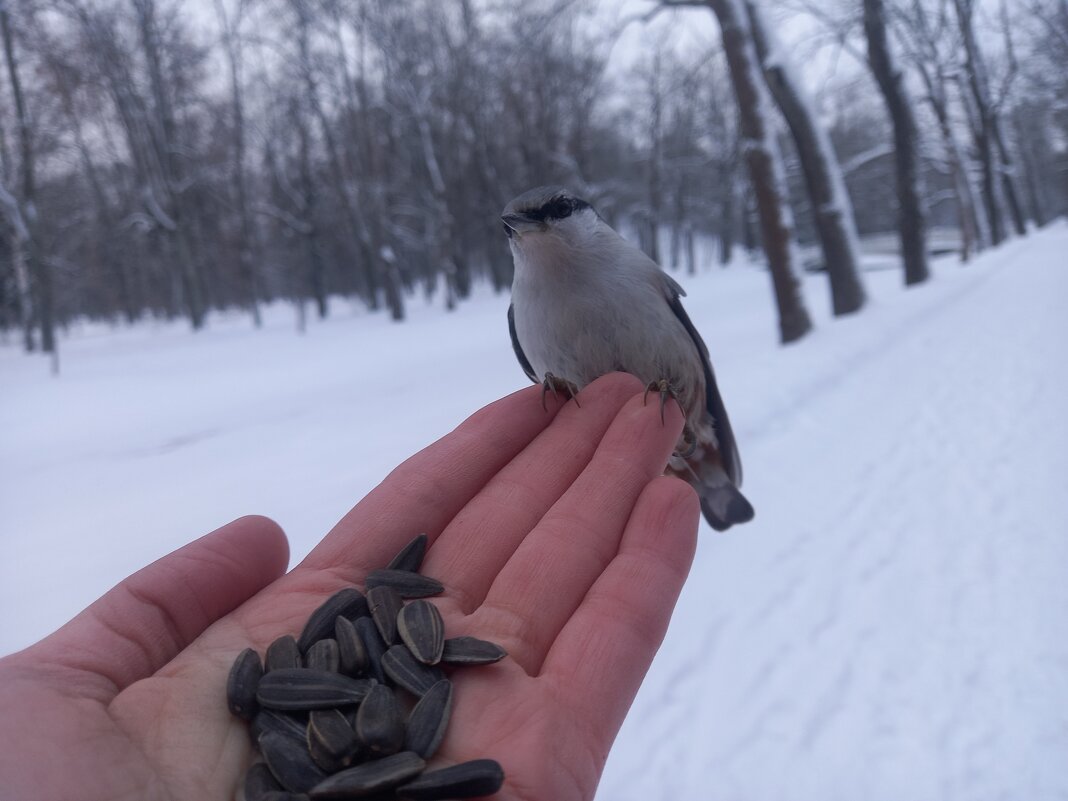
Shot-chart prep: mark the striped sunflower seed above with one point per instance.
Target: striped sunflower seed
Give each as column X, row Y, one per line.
column 331, row 741
column 279, row 722
column 410, row 556
column 259, row 781
column 379, row 722
column 385, row 604
column 283, row 654
column 421, row 628
column 370, row 777
column 290, row 763
column 408, row 672
column 471, row 651
column 373, row 647
column 472, row 779
column 428, row 720
column 408, row 584
column 309, row 689
column 348, row 602
column 352, row 655
column 323, row 655
column 241, row 684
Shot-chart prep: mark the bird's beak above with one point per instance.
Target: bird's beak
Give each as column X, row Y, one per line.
column 515, row 223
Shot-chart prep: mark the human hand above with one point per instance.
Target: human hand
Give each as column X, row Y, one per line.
column 554, row 533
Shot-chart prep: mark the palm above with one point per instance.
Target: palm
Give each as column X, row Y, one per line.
column 557, row 541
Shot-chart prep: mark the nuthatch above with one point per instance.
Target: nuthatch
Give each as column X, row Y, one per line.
column 586, row 302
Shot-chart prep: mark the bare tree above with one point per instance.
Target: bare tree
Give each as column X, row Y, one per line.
column 247, row 244
column 832, row 210
column 931, row 48
column 989, row 140
column 911, row 218
column 764, row 162
column 21, row 209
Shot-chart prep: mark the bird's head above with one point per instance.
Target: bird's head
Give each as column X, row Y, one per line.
column 549, row 214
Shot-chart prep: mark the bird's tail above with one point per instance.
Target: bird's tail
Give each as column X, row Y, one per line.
column 722, row 503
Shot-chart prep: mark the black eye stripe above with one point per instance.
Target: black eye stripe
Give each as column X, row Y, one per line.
column 558, row 209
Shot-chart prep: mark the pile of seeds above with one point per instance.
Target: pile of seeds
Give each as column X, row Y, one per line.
column 357, row 705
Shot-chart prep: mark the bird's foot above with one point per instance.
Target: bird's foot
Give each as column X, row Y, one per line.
column 666, row 391
column 690, row 440
column 556, row 385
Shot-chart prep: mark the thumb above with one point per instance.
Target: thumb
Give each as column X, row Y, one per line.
column 148, row 618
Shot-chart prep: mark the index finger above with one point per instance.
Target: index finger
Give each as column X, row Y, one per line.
column 426, row 491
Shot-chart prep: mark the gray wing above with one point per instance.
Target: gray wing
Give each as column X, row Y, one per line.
column 523, row 361
column 728, row 449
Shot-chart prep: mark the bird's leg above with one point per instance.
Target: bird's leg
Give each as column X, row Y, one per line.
column 666, row 391
column 691, row 442
column 552, row 384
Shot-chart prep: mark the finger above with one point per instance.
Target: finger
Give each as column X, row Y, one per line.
column 482, row 537
column 601, row 656
column 546, row 579
column 148, row 618
column 425, row 492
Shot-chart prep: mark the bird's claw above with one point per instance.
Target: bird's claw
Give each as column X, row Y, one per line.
column 665, row 390
column 690, row 439
column 552, row 384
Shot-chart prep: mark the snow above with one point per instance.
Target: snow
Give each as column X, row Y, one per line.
column 890, row 626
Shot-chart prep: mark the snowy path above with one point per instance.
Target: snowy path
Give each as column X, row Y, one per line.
column 890, row 626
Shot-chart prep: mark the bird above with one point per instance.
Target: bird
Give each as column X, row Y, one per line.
column 586, row 302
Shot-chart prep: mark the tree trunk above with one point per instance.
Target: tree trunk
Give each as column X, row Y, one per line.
column 25, row 200
column 246, row 232
column 832, row 210
column 316, row 271
column 765, row 167
column 984, row 121
column 972, row 232
column 359, row 231
column 1008, row 181
column 1036, row 190
column 911, row 218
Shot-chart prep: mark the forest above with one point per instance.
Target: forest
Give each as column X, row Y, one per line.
column 164, row 159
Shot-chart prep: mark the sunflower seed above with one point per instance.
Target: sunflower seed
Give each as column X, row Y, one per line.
column 258, row 781
column 410, row 556
column 290, row 763
column 467, row 780
column 408, row 584
column 348, row 602
column 379, row 723
column 309, row 689
column 241, row 684
column 331, row 741
column 270, row 720
column 370, row 777
column 471, row 651
column 409, row 673
column 373, row 647
column 323, row 655
column 429, row 719
column 283, row 653
column 385, row 604
column 352, row 655
column 421, row 628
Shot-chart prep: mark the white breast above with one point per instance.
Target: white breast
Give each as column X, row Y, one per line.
column 581, row 315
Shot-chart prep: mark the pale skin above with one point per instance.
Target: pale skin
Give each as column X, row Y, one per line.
column 554, row 532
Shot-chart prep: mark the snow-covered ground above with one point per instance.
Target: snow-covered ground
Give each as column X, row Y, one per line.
column 889, row 627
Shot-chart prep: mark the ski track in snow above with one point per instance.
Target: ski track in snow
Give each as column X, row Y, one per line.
column 889, row 627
